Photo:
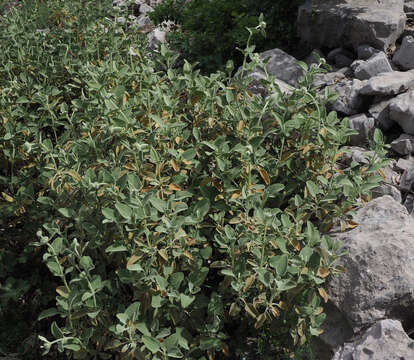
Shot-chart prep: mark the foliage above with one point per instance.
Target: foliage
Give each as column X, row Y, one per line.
column 209, row 31
column 177, row 213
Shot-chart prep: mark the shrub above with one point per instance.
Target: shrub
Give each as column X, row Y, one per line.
column 177, row 213
column 210, row 31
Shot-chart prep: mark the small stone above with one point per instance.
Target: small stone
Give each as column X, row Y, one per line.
column 404, row 56
column 365, row 51
column 365, row 127
column 403, row 164
column 387, row 189
column 402, row 111
column 404, row 145
column 380, row 112
column 407, row 179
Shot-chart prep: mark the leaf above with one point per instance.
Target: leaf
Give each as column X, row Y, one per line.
column 75, row 175
column 159, row 204
column 132, row 260
column 251, row 310
column 280, row 263
column 186, row 300
column 313, row 188
column 174, row 187
column 174, row 165
column 323, row 272
column 61, row 290
column 124, row 210
column 164, row 254
column 48, row 313
column 189, row 154
column 67, row 212
column 86, row 263
column 116, row 248
column 151, row 344
column 265, row 176
column 6, row 197
column 109, row 214
column 249, row 282
column 260, row 321
column 323, row 294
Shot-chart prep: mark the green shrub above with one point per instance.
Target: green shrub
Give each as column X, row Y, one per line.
column 210, row 31
column 178, row 214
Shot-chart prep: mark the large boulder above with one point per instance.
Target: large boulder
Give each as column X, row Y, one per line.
column 404, row 56
column 385, row 340
column 350, row 23
column 379, row 280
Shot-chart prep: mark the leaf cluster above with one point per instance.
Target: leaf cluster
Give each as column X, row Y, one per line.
column 176, row 212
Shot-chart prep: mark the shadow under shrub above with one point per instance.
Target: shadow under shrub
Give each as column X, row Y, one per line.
column 210, row 31
column 178, row 213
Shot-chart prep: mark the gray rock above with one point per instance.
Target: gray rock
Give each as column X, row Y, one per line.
column 402, row 111
column 409, row 6
column 350, row 23
column 381, row 114
column 409, row 203
column 365, row 127
column 348, row 102
column 312, row 59
column 355, row 153
column 376, row 64
column 404, row 56
column 376, row 285
column 283, row 66
column 407, row 180
column 156, row 37
column 404, row 144
column 257, row 88
column 365, row 51
column 390, row 83
column 404, row 164
column 144, row 9
column 340, row 57
column 385, row 340
column 387, row 189
column 327, row 79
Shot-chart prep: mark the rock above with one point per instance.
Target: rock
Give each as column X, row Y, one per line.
column 355, row 153
column 156, row 37
column 365, row 127
column 376, row 64
column 340, row 57
column 348, row 102
column 404, row 56
column 390, row 83
column 350, row 23
column 409, row 6
column 407, row 180
column 404, row 164
column 322, row 80
column 376, row 285
column 404, row 145
column 365, row 51
column 283, row 66
column 312, row 58
column 257, row 88
column 402, row 111
column 387, row 189
column 144, row 9
column 381, row 114
column 385, row 340
column 409, row 203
